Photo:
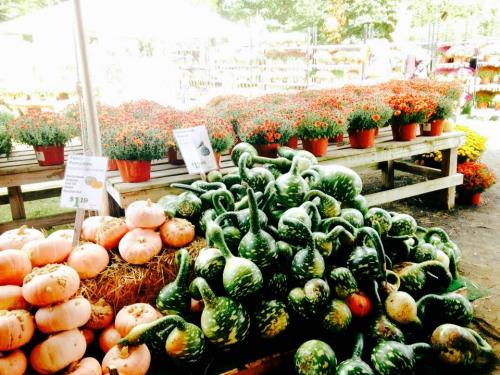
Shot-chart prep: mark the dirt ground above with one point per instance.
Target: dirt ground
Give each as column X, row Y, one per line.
column 476, row 231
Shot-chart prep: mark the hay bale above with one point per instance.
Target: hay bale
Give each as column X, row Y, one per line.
column 123, row 284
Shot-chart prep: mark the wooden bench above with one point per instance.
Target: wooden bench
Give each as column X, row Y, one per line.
column 21, row 168
column 385, row 155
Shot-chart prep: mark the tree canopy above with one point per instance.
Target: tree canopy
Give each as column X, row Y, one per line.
column 10, row 9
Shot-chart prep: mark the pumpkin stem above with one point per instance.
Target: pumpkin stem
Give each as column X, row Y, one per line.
column 113, row 370
column 22, row 229
column 124, row 354
column 358, row 345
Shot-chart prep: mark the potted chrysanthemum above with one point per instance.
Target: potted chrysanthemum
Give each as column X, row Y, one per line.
column 5, row 138
column 47, row 132
column 409, row 110
column 363, row 120
column 435, row 125
column 315, row 127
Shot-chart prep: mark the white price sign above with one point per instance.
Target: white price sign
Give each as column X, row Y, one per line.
column 84, row 181
column 196, row 149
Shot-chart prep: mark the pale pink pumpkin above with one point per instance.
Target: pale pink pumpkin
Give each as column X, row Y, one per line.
column 139, row 246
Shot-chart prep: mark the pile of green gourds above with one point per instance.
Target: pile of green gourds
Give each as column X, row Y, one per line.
column 293, row 244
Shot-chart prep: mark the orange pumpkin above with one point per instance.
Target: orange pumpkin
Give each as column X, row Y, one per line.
column 13, row 363
column 101, row 315
column 91, row 225
column 58, row 351
column 11, row 298
column 87, row 366
column 177, row 232
column 89, row 335
column 127, row 360
column 14, row 266
column 108, row 338
column 65, row 234
column 48, row 250
column 64, row 316
column 110, row 233
column 88, row 259
column 359, row 304
column 16, row 329
column 17, row 238
column 144, row 214
column 132, row 315
column 52, row 283
column 139, row 246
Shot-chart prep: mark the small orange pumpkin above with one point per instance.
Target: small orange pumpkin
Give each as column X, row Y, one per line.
column 91, row 225
column 58, row 351
column 17, row 238
column 127, row 360
column 144, row 214
column 64, row 316
column 359, row 304
column 139, row 246
column 14, row 266
column 11, row 298
column 110, row 233
column 108, row 338
column 88, row 259
column 89, row 335
column 101, row 315
column 48, row 250
column 13, row 363
column 16, row 329
column 86, row 366
column 130, row 316
column 65, row 234
column 177, row 232
column 50, row 284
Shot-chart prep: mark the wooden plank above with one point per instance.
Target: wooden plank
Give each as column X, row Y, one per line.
column 387, row 168
column 31, row 177
column 34, row 195
column 42, row 222
column 392, row 195
column 417, row 169
column 449, row 168
column 16, row 202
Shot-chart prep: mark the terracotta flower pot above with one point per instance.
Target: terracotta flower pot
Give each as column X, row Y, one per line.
column 318, row 147
column 482, row 105
column 293, row 142
column 468, row 197
column 362, row 138
column 174, row 156
column 497, row 106
column 217, row 159
column 112, row 165
column 405, row 132
column 49, row 155
column 338, row 140
column 134, row 170
column 269, row 150
column 377, row 130
column 485, row 80
column 476, row 199
column 432, row 129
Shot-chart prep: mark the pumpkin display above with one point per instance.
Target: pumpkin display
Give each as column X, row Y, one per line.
column 129, row 360
column 58, row 351
column 11, row 298
column 16, row 329
column 108, row 338
column 144, row 214
column 65, row 234
column 110, row 233
column 89, row 335
column 139, row 246
column 14, row 266
column 17, row 238
column 86, row 366
column 13, row 363
column 88, row 259
column 130, row 316
column 50, row 284
column 48, row 250
column 91, row 225
column 101, row 315
column 177, row 232
column 63, row 316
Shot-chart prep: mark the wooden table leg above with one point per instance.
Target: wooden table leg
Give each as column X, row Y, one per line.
column 114, row 208
column 449, row 168
column 16, row 202
column 387, row 168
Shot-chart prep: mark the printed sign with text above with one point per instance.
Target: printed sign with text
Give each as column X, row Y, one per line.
column 84, row 181
column 196, row 149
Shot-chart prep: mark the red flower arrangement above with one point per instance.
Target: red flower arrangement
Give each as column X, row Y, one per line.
column 477, row 176
column 411, row 107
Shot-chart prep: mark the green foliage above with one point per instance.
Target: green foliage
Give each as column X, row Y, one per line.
column 444, row 109
column 5, row 139
column 316, row 125
column 135, row 144
column 10, row 9
column 369, row 116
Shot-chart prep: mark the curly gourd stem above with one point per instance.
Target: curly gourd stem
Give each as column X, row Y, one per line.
column 254, row 212
column 182, row 260
column 139, row 334
column 268, row 197
column 367, row 233
column 188, row 188
column 330, row 223
column 342, row 234
column 313, row 213
column 314, row 175
column 209, row 297
column 327, row 203
column 231, row 216
column 311, row 246
column 358, row 346
column 204, row 185
column 272, row 231
column 222, row 195
column 216, row 237
column 443, row 236
column 378, row 301
column 243, row 202
column 453, row 266
column 245, row 158
column 280, row 162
